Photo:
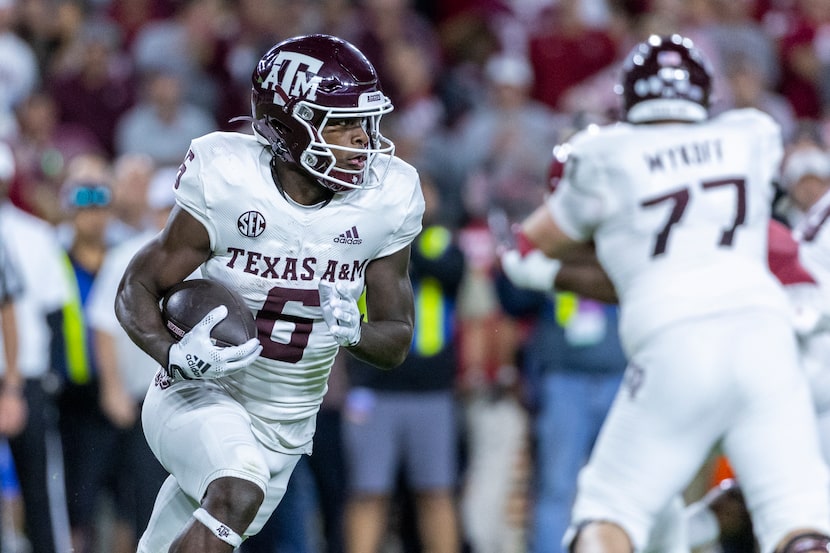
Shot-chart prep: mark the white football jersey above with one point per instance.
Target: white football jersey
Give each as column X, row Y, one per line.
column 275, row 252
column 679, row 215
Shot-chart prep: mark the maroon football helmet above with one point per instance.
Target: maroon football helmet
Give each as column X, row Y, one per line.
column 299, row 86
column 665, row 79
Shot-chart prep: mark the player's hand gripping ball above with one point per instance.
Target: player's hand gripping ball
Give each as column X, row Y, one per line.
column 215, row 329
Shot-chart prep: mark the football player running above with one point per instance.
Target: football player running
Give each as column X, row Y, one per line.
column 678, row 206
column 299, row 218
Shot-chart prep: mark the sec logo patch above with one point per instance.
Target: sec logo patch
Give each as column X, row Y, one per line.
column 251, row 224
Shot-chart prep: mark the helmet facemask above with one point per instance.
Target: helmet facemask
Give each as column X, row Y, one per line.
column 319, row 159
column 303, row 84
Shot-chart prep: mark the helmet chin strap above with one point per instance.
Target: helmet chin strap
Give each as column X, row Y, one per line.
column 278, row 184
column 280, row 152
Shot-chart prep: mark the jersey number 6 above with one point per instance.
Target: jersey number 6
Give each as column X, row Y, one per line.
column 272, row 311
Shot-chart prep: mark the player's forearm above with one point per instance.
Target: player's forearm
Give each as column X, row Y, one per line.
column 383, row 344
column 159, row 265
column 138, row 312
column 589, row 281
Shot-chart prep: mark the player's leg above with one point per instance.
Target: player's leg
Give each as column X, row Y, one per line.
column 572, row 410
column 602, row 537
column 173, row 508
column 718, row 519
column 217, row 526
column 174, row 515
column 668, row 413
column 670, row 531
column 774, row 447
column 204, row 439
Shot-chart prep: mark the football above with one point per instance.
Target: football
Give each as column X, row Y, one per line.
column 187, row 303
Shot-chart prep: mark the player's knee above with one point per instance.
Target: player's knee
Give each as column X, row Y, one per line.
column 234, row 501
column 805, row 542
column 600, row 535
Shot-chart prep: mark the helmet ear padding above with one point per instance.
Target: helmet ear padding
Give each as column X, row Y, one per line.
column 303, row 83
column 665, row 78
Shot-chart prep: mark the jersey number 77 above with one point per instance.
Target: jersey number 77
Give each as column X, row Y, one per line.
column 678, row 201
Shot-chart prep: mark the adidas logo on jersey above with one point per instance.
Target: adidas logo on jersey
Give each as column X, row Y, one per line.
column 349, row 237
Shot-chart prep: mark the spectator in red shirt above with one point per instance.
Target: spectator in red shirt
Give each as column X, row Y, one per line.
column 564, row 51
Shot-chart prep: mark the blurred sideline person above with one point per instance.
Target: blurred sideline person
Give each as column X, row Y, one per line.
column 88, row 436
column 124, row 374
column 299, row 218
column 405, row 421
column 39, row 316
column 12, row 402
column 678, row 206
column 805, row 181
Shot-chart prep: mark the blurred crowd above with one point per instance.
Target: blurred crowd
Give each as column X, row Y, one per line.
column 99, row 100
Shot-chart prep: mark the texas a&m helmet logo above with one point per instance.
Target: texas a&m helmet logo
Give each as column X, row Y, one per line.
column 293, row 75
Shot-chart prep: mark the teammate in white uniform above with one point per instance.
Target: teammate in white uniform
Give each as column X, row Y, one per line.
column 678, row 206
column 298, row 218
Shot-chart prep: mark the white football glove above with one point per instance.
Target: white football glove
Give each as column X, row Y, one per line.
column 195, row 357
column 340, row 311
column 535, row 271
